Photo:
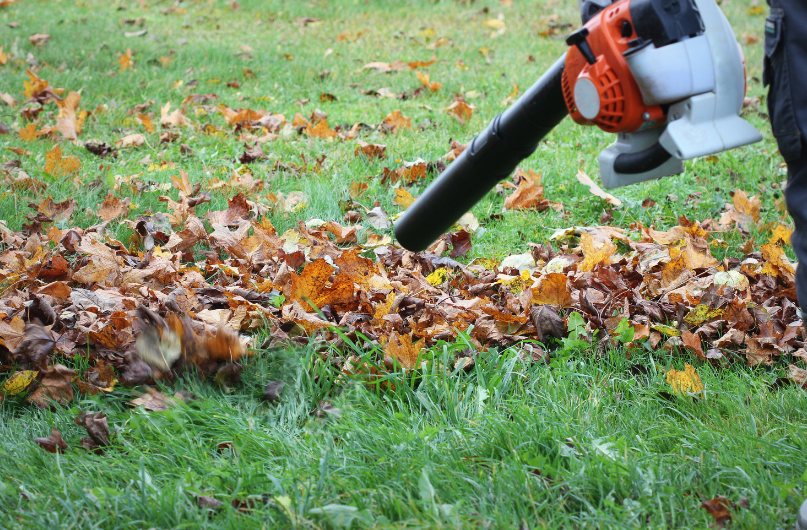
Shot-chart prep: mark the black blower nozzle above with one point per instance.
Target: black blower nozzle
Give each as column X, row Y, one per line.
column 491, row 157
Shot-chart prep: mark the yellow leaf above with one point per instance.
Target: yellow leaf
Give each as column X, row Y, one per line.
column 403, row 197
column 755, row 11
column 781, row 233
column 701, row 313
column 686, row 381
column 494, row 23
column 667, row 330
column 438, row 277
column 125, row 60
column 18, row 382
column 58, row 166
column 595, row 253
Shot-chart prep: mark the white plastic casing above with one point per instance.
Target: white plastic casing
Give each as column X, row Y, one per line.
column 703, row 79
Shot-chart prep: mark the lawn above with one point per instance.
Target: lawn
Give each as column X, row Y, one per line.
column 567, row 433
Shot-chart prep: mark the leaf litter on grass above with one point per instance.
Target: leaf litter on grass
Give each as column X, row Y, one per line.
column 152, row 307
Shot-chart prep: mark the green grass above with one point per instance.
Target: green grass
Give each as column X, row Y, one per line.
column 483, row 449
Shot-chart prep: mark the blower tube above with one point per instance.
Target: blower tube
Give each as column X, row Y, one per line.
column 491, row 157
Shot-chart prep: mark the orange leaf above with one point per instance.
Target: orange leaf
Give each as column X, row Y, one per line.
column 320, row 130
column 58, row 166
column 460, row 109
column 401, row 349
column 395, row 121
column 594, row 252
column 370, row 150
column 553, row 289
column 113, row 207
column 434, row 86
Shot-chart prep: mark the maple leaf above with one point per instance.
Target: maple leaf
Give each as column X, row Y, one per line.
column 460, row 109
column 396, row 121
column 172, row 119
column 69, row 121
column 370, row 150
column 775, row 262
column 553, row 289
column 58, row 211
column 58, row 166
column 595, row 253
column 343, row 234
column 528, row 194
column 721, row 509
column 321, row 130
column 223, row 345
column 314, row 285
column 686, row 381
column 403, row 198
column 131, row 140
column 781, row 234
column 53, row 443
column 55, row 386
column 396, row 66
column 113, row 208
column 433, row 86
column 29, row 133
column 125, row 60
column 401, row 348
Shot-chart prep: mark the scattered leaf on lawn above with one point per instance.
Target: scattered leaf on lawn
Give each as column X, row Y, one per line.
column 686, row 381
column 596, row 190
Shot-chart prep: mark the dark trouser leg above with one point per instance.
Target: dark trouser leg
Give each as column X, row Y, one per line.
column 796, row 199
column 786, row 76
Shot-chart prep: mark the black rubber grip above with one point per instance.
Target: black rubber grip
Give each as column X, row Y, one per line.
column 641, row 161
column 491, row 157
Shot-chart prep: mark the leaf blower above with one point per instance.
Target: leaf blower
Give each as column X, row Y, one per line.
column 666, row 76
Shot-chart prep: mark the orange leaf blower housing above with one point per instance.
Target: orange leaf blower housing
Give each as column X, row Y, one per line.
column 598, row 86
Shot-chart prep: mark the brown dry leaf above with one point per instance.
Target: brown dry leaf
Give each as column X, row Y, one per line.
column 54, row 386
column 357, row 189
column 747, row 207
column 58, row 166
column 371, row 150
column 397, row 66
column 401, row 348
column 58, row 211
column 39, row 39
column 131, row 140
column 125, row 60
column 314, row 285
column 397, row 121
column 154, row 401
column 321, row 130
column 113, row 208
column 460, row 109
column 554, row 289
column 595, row 252
column 692, row 342
column 529, row 193
column 596, row 190
column 422, row 64
column 237, row 211
column 224, row 345
column 29, row 133
column 721, row 508
column 343, row 234
column 53, row 443
column 69, row 120
column 172, row 119
column 434, row 86
column 797, row 375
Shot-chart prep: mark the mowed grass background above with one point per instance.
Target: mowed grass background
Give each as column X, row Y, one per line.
column 583, row 442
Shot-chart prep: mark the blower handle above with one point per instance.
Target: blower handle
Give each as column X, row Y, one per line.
column 490, row 157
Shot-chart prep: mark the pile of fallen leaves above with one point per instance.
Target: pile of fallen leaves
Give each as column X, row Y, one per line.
column 180, row 296
column 186, row 290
